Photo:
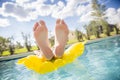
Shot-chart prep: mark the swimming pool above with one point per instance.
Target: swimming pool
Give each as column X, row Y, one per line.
column 100, row 61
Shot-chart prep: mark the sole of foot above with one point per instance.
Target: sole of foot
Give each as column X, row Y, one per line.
column 61, row 37
column 41, row 36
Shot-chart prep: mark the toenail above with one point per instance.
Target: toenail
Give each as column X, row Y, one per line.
column 35, row 26
column 42, row 22
column 58, row 21
column 39, row 24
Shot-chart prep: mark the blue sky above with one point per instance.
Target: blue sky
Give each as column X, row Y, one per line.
column 18, row 16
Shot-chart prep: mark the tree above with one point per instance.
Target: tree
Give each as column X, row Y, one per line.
column 94, row 30
column 2, row 45
column 18, row 45
column 87, row 32
column 99, row 16
column 79, row 35
column 27, row 42
column 11, row 45
column 6, row 44
column 116, row 29
column 52, row 42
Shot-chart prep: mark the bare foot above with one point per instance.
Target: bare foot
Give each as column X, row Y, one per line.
column 61, row 37
column 41, row 37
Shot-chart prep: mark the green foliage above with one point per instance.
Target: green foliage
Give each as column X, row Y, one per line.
column 94, row 27
column 52, row 42
column 79, row 35
column 10, row 45
column 27, row 40
column 18, row 45
column 3, row 44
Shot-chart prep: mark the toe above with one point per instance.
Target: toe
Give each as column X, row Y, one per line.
column 58, row 21
column 65, row 25
column 42, row 22
column 35, row 26
column 63, row 22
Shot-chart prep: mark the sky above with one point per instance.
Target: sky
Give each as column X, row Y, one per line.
column 18, row 16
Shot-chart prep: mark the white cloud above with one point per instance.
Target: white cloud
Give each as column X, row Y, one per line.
column 85, row 12
column 4, row 22
column 69, row 9
column 63, row 11
column 27, row 10
column 86, row 18
column 113, row 15
column 60, row 3
column 44, row 10
column 57, row 10
column 16, row 11
column 83, row 9
column 52, row 1
column 22, row 1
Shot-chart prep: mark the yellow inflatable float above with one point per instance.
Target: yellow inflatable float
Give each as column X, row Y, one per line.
column 43, row 66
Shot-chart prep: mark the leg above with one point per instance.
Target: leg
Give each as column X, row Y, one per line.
column 41, row 37
column 61, row 37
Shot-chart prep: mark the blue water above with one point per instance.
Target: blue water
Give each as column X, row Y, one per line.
column 100, row 61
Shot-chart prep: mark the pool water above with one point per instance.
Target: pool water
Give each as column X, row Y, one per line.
column 100, row 61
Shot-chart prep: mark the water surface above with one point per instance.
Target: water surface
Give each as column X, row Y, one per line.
column 100, row 61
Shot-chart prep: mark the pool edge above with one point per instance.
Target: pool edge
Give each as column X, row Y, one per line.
column 5, row 58
column 100, row 39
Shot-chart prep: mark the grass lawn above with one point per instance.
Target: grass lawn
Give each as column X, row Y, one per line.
column 17, row 51
column 34, row 48
column 92, row 37
column 22, row 50
column 72, row 41
column 5, row 53
column 103, row 35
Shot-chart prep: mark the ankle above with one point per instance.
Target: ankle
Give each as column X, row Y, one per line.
column 58, row 51
column 59, row 46
column 48, row 56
